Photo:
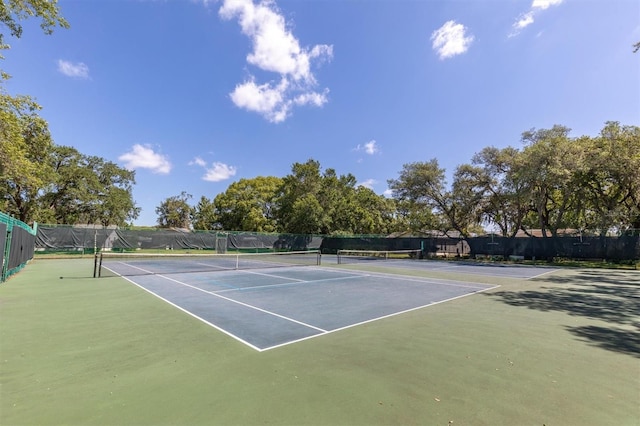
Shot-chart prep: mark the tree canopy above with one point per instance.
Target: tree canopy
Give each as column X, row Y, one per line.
column 553, row 182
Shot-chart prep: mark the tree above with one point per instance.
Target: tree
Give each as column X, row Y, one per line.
column 550, row 165
column 25, row 142
column 611, row 179
column 314, row 202
column 422, row 187
column 12, row 12
column 175, row 212
column 249, row 205
column 505, row 200
column 372, row 213
column 203, row 215
column 299, row 210
column 85, row 189
column 112, row 198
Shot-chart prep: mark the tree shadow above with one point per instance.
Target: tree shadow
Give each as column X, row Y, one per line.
column 613, row 339
column 606, row 296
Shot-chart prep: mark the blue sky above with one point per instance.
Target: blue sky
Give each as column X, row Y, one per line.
column 197, row 94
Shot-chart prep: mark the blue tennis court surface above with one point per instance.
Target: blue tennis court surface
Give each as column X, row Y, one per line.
column 462, row 267
column 269, row 308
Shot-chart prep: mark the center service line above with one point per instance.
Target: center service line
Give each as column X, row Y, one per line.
column 244, row 304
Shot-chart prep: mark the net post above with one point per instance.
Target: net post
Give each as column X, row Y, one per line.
column 95, row 265
column 100, row 266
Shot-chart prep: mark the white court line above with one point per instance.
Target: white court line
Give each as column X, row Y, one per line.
column 242, row 303
column 193, row 315
column 476, row 270
column 544, row 273
column 270, row 275
column 226, row 290
column 356, row 274
column 426, row 280
column 377, row 319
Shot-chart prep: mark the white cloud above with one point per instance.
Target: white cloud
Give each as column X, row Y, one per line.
column 545, row 4
column 77, row 70
column 265, row 99
column 524, row 21
column 198, row 162
column 275, row 49
column 370, row 147
column 218, row 172
column 528, row 18
column 368, row 183
column 144, row 157
column 451, row 40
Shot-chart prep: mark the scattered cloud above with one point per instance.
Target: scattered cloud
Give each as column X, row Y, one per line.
column 368, row 183
column 451, row 39
column 276, row 50
column 144, row 157
column 75, row 70
column 528, row 17
column 370, row 147
column 217, row 172
column 198, row 162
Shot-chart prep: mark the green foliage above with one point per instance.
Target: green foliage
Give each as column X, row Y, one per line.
column 421, row 187
column 14, row 11
column 175, row 212
column 88, row 189
column 203, row 215
column 248, row 205
column 505, row 201
column 56, row 184
column 24, row 143
column 555, row 182
column 315, row 202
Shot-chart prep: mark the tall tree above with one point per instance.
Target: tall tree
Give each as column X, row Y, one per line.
column 249, row 205
column 203, row 215
column 299, row 210
column 420, row 191
column 422, row 186
column 112, row 197
column 611, row 178
column 551, row 161
column 372, row 213
column 505, row 202
column 25, row 142
column 86, row 189
column 175, row 212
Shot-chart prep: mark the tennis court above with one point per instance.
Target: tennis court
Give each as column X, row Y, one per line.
column 454, row 267
column 265, row 307
column 559, row 349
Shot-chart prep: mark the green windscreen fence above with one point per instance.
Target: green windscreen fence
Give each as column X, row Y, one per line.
column 17, row 241
column 90, row 239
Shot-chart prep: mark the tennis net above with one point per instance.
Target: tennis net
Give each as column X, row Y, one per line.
column 357, row 256
column 130, row 264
